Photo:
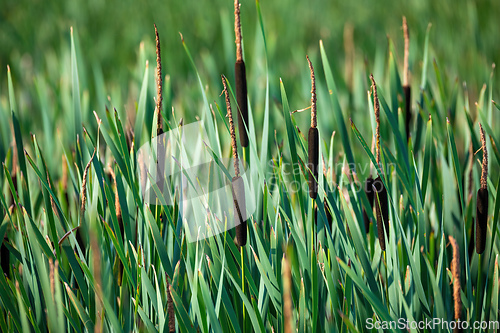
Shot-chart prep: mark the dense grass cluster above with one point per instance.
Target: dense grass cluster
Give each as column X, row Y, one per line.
column 387, row 209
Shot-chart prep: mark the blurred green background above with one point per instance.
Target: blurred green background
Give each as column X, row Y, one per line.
column 34, row 39
column 465, row 32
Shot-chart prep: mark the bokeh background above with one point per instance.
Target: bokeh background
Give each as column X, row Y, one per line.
column 464, row 34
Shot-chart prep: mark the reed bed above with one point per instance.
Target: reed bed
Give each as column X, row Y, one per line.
column 83, row 251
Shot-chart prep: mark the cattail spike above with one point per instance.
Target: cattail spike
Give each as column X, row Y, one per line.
column 231, row 128
column 455, row 271
column 313, row 156
column 242, row 100
column 241, row 79
column 237, row 30
column 170, row 306
column 406, row 84
column 376, row 107
column 159, row 85
column 314, row 121
column 313, row 139
column 484, row 167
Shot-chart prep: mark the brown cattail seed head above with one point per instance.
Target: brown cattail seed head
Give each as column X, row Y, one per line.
column 241, row 79
column 482, row 200
column 406, row 84
column 455, row 271
column 159, row 85
column 381, row 210
column 170, row 306
column 371, row 195
column 407, row 93
column 242, row 101
column 313, row 155
column 313, row 139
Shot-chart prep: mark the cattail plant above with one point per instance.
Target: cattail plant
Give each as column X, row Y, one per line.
column 455, row 273
column 482, row 200
column 406, row 84
column 241, row 79
column 238, row 186
column 313, row 139
column 238, row 192
column 381, row 207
